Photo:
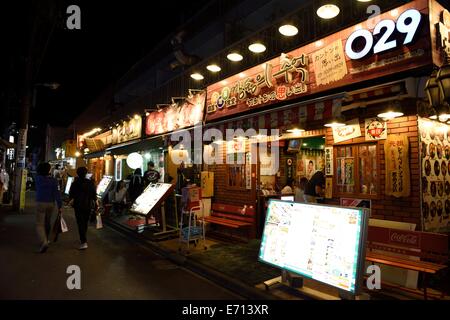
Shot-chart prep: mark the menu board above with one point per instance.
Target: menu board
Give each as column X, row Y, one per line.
column 435, row 160
column 68, row 185
column 104, row 186
column 324, row 243
column 152, row 195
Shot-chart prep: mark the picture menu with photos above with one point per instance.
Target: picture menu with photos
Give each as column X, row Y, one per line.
column 324, row 243
column 152, row 195
column 435, row 167
column 104, row 185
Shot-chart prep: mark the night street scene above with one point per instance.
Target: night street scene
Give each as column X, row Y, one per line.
column 223, row 156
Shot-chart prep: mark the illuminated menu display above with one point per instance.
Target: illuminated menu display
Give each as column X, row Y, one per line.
column 319, row 242
column 68, row 185
column 150, row 197
column 104, row 185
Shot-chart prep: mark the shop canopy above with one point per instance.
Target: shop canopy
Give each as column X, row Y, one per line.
column 283, row 117
column 6, row 145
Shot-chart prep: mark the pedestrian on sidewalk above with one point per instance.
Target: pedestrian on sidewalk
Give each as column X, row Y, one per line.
column 47, row 194
column 83, row 197
column 136, row 186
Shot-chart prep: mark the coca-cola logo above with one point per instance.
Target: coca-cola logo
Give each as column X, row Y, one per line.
column 404, row 238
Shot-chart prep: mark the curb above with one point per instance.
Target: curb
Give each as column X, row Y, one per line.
column 232, row 284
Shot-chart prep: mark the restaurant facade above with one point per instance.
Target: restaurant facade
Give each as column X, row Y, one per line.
column 355, row 104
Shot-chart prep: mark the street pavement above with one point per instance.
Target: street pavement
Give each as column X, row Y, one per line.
column 113, row 267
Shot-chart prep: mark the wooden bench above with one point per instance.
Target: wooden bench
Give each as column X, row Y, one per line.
column 233, row 217
column 429, row 249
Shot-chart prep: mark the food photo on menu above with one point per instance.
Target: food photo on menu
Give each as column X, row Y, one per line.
column 330, row 238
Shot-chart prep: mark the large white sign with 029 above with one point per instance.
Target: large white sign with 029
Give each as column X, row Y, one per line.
column 408, row 22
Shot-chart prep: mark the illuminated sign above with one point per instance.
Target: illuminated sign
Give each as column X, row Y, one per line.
column 283, row 79
column 176, row 116
column 377, row 47
column 408, row 23
column 324, row 243
column 128, row 130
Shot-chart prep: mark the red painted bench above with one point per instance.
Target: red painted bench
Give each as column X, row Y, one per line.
column 431, row 248
column 233, row 217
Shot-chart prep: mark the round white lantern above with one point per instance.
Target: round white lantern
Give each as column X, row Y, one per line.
column 135, row 160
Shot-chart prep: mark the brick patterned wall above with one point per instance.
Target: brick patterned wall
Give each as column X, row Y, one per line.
column 387, row 207
column 221, row 192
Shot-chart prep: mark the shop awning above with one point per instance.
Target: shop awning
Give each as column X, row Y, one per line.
column 282, row 117
column 94, row 155
column 6, row 145
column 375, row 94
column 136, row 146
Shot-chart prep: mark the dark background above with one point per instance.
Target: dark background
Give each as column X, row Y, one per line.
column 114, row 35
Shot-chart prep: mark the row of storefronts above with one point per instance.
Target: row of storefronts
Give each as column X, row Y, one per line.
column 354, row 104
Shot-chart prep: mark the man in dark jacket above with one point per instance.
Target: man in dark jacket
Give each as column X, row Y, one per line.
column 84, row 196
column 151, row 175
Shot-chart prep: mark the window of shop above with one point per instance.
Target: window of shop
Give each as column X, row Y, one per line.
column 357, row 170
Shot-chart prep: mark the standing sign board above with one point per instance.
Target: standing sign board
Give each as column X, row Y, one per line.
column 152, row 197
column 324, row 243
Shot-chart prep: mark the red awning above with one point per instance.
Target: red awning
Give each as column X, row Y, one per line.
column 285, row 117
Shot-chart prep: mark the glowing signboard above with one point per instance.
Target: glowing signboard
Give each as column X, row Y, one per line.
column 324, row 243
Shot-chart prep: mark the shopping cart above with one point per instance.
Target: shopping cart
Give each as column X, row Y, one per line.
column 194, row 229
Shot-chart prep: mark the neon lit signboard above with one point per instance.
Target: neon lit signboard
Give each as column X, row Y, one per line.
column 324, row 243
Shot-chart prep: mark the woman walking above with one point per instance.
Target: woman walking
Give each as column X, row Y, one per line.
column 83, row 194
column 47, row 194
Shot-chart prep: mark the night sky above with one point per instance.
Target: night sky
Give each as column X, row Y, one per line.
column 114, row 35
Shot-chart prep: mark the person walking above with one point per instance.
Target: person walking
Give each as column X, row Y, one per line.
column 47, row 194
column 136, row 185
column 83, row 197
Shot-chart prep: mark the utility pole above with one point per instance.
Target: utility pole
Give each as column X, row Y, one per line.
column 41, row 14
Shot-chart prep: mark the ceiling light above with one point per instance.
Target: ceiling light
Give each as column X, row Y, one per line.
column 336, row 122
column 219, row 141
column 389, row 115
column 328, row 11
column 295, row 130
column 257, row 47
column 288, row 30
column 234, row 56
column 213, row 68
column 364, row 0
column 394, row 111
column 240, row 138
column 197, row 76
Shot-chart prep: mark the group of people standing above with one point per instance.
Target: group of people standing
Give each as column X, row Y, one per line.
column 139, row 182
column 82, row 197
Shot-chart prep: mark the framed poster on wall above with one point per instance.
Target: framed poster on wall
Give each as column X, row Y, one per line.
column 329, row 161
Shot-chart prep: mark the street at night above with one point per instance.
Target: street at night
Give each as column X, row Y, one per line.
column 225, row 158
column 113, row 268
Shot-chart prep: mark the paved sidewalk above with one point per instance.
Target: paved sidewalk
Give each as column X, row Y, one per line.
column 114, row 267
